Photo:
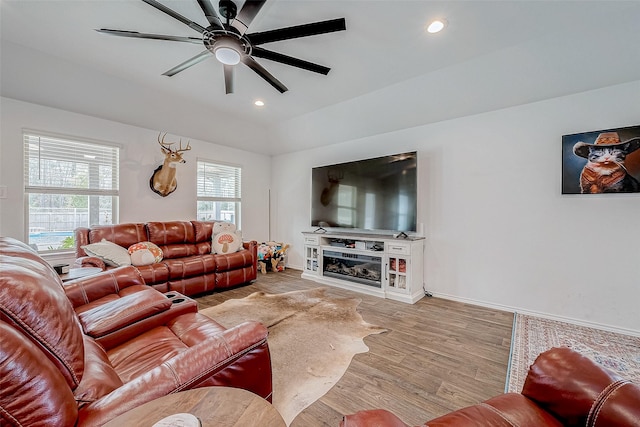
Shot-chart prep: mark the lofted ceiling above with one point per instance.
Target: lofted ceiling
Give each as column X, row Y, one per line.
column 386, row 73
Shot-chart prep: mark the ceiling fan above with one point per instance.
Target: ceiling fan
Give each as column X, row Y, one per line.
column 229, row 41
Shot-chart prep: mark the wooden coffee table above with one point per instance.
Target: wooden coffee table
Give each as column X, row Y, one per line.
column 215, row 406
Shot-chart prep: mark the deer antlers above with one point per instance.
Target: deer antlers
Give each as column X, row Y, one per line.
column 166, row 146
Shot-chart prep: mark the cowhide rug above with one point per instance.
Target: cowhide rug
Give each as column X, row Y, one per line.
column 312, row 339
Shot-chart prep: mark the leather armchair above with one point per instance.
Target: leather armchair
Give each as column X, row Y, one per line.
column 52, row 372
column 562, row 388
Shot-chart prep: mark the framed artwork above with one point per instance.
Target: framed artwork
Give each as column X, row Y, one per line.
column 602, row 161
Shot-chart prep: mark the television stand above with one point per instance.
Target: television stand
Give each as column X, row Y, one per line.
column 374, row 264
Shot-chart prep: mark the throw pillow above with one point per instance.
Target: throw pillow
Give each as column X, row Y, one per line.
column 145, row 253
column 111, row 253
column 225, row 238
column 225, row 243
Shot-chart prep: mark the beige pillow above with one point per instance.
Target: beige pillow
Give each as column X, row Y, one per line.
column 112, row 254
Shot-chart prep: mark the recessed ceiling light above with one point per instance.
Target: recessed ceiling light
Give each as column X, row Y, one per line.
column 259, row 103
column 437, row 26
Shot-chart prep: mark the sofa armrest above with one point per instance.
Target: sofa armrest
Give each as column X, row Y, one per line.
column 88, row 289
column 574, row 389
column 185, row 371
column 116, row 314
column 90, row 261
column 252, row 246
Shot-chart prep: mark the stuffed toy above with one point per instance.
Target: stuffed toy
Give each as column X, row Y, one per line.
column 271, row 254
column 226, row 239
column 144, row 253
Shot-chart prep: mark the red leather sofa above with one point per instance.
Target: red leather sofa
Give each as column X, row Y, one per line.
column 83, row 353
column 188, row 266
column 562, row 388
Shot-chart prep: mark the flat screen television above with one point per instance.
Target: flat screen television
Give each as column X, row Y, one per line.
column 371, row 194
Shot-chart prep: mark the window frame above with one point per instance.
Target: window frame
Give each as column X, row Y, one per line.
column 29, row 188
column 237, row 190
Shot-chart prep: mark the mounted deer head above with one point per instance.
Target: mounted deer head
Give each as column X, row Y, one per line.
column 163, row 181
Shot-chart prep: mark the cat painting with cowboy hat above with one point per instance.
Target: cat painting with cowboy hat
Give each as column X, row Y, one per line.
column 605, row 171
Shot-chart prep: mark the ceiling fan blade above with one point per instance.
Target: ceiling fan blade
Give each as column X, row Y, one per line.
column 289, row 60
column 188, row 63
column 136, row 34
column 251, row 63
column 199, row 28
column 228, row 79
column 297, row 31
column 210, row 14
column 249, row 10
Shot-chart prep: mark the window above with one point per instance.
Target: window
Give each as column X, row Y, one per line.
column 219, row 192
column 68, row 184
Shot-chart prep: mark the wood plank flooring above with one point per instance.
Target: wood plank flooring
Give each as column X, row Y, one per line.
column 437, row 356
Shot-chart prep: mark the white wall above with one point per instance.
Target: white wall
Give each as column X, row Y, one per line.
column 138, row 159
column 499, row 232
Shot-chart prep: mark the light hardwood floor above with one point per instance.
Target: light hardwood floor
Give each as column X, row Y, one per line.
column 437, row 356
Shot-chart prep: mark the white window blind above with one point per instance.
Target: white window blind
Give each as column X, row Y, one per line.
column 54, row 165
column 68, row 183
column 219, row 192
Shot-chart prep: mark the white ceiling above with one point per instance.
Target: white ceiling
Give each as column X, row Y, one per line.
column 387, row 72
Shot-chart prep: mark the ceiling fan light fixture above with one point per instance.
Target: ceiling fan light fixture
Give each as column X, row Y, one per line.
column 436, row 26
column 227, row 55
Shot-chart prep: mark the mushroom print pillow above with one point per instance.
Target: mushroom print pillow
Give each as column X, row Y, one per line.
column 226, row 239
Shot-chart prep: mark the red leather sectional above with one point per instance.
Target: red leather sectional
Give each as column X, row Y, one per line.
column 188, row 266
column 83, row 353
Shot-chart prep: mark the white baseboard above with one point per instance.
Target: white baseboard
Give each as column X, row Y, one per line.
column 520, row 310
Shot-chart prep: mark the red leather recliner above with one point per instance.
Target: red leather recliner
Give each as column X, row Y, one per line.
column 562, row 388
column 55, row 373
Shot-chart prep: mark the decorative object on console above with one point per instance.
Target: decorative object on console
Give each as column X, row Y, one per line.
column 163, row 181
column 604, row 161
column 312, row 339
column 226, row 238
column 271, row 256
column 111, row 253
column 144, row 253
column 229, row 42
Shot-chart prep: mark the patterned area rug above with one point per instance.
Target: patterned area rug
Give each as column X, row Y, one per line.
column 534, row 335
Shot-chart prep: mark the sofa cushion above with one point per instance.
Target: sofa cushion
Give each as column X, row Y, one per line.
column 180, row 268
column 111, row 253
column 170, row 232
column 154, row 273
column 145, row 352
column 124, row 235
column 226, row 262
column 203, row 230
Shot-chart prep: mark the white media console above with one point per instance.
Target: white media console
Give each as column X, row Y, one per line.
column 375, row 264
